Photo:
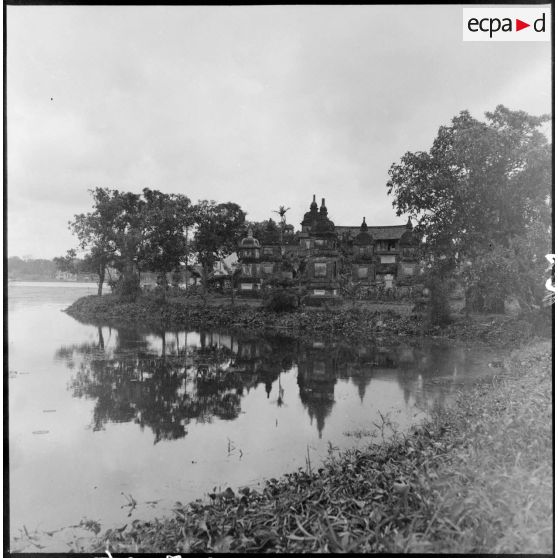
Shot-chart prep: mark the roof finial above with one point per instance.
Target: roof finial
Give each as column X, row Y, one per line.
column 364, row 226
column 409, row 224
column 323, row 202
column 250, row 234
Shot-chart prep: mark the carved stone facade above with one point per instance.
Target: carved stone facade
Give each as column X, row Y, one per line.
column 319, row 242
column 249, row 252
column 381, row 259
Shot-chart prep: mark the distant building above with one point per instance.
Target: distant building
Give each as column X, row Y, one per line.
column 65, row 276
column 378, row 259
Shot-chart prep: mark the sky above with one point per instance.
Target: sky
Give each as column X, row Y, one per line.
column 260, row 105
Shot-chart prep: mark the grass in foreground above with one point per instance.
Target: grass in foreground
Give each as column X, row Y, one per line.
column 477, row 478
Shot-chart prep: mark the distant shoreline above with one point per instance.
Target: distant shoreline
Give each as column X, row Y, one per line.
column 41, row 280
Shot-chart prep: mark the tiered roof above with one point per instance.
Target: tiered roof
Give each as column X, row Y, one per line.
column 391, row 232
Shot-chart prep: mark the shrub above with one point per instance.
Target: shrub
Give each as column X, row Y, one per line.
column 281, row 300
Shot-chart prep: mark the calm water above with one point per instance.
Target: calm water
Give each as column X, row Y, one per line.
column 99, row 415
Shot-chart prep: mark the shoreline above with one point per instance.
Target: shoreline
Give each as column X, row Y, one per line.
column 349, row 323
column 473, row 478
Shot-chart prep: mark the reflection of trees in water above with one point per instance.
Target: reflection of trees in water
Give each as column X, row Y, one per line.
column 161, row 382
column 166, row 387
column 431, row 374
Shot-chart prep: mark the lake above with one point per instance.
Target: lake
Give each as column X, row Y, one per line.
column 116, row 424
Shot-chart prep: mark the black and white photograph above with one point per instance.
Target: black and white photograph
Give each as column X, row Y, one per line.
column 278, row 279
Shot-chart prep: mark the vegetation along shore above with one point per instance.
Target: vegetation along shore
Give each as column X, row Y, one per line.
column 349, row 322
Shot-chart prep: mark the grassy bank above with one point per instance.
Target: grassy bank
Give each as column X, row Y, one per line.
column 476, row 478
column 349, row 322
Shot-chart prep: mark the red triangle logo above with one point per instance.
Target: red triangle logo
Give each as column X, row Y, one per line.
column 519, row 25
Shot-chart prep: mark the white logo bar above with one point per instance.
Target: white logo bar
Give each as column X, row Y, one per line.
column 507, row 24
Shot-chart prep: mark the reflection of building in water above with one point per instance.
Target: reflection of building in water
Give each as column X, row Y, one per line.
column 316, row 381
column 361, row 364
column 249, row 356
column 164, row 381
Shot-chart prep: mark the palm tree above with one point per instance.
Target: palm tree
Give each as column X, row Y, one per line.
column 282, row 211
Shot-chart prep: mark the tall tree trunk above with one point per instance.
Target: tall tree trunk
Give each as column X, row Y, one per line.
column 131, row 281
column 102, row 268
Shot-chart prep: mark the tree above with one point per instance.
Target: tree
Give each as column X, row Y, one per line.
column 260, row 229
column 96, row 232
column 218, row 228
column 282, row 212
column 167, row 219
column 480, row 196
column 114, row 233
column 134, row 233
column 67, row 262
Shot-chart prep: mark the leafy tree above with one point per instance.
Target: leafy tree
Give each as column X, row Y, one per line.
column 480, row 197
column 95, row 231
column 167, row 219
column 218, row 230
column 67, row 262
column 134, row 233
column 260, row 228
column 129, row 231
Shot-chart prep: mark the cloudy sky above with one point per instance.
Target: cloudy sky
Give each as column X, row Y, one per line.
column 259, row 105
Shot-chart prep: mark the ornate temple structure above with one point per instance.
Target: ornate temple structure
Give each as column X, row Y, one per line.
column 373, row 260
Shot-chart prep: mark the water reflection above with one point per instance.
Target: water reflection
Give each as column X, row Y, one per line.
column 166, row 380
column 223, row 410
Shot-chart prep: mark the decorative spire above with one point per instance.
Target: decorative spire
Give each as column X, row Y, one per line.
column 364, row 226
column 310, row 216
column 250, row 234
column 323, row 208
column 409, row 224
